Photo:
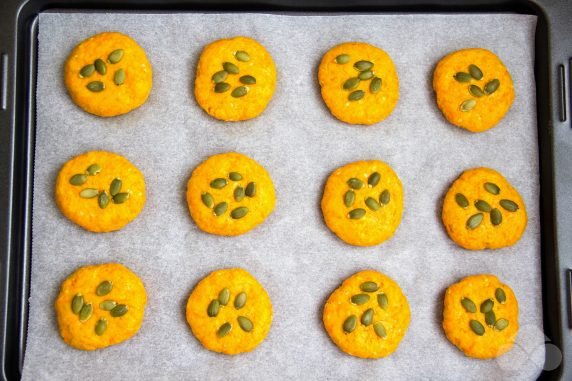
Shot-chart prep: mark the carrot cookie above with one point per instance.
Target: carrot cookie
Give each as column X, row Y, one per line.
column 367, row 316
column 363, row 202
column 100, row 191
column 235, row 80
column 480, row 316
column 359, row 83
column 230, row 194
column 108, row 74
column 482, row 210
column 473, row 89
column 99, row 306
column 229, row 312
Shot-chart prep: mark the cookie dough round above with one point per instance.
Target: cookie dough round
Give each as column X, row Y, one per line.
column 230, row 194
column 235, row 80
column 99, row 306
column 229, row 311
column 473, row 88
column 100, row 191
column 363, row 202
column 108, row 74
column 367, row 316
column 353, row 100
column 480, row 316
column 482, row 210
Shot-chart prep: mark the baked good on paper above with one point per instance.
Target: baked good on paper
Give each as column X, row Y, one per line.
column 363, row 202
column 100, row 191
column 480, row 316
column 235, row 79
column 230, row 194
column 108, row 74
column 367, row 316
column 359, row 83
column 482, row 210
column 473, row 88
column 229, row 311
column 99, row 306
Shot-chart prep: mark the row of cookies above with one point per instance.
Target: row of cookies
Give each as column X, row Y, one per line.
column 230, row 194
column 109, row 74
column 230, row 312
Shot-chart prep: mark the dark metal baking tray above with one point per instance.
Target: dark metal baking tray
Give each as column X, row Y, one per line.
column 553, row 69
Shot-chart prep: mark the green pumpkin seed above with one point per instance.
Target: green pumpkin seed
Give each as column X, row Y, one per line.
column 224, row 330
column 250, row 189
column 501, row 324
column 104, row 288
column 119, row 77
column 342, row 59
column 242, row 56
column 350, row 324
column 382, row 301
column 93, row 169
column 224, row 296
column 239, row 212
column 379, row 330
column 240, row 300
column 119, row 310
column 356, row 95
column 367, row 317
column 115, row 56
column 492, row 86
column 120, row 198
column 88, row 193
column 85, row 312
column 474, row 221
column 213, row 308
column 365, row 75
column 235, row 176
column 115, row 187
column 375, row 85
column 476, row 91
column 100, row 66
column 247, row 80
column 363, row 65
column 77, row 303
column 86, row 71
column 207, row 199
column 468, row 105
column 461, row 200
column 468, row 305
column 245, row 323
column 477, row 327
column 369, row 286
column 351, row 83
column 372, row 204
column 218, row 183
column 355, row 183
column 220, row 209
column 221, row 87
column 483, row 206
column 373, row 179
column 219, row 76
column 239, row 92
column 95, row 86
column 492, row 188
column 107, row 305
column 384, row 197
column 475, row 72
column 496, row 217
column 500, row 295
column 238, row 194
column 230, row 68
column 487, row 306
column 490, row 318
column 360, row 299
column 462, row 77
column 78, row 179
column 349, row 198
column 100, row 327
column 509, row 205
column 356, row 214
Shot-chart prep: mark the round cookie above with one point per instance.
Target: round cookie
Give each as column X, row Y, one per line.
column 230, row 194
column 359, row 83
column 363, row 202
column 482, row 210
column 235, row 79
column 108, row 74
column 480, row 316
column 99, row 306
column 367, row 316
column 100, row 191
column 474, row 89
column 229, row 311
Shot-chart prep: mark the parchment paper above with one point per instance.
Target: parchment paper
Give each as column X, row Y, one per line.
column 293, row 254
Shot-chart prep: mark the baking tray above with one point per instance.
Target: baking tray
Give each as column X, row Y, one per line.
column 553, row 69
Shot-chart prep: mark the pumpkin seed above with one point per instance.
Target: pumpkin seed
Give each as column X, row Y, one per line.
column 242, row 56
column 240, row 300
column 350, row 324
column 501, row 324
column 360, row 299
column 100, row 66
column 365, row 75
column 509, row 205
column 230, row 68
column 247, row 80
column 115, row 56
column 119, row 310
column 373, row 179
column 219, row 183
column 107, row 305
column 100, row 327
column 85, row 312
column 93, row 169
column 468, row 105
column 367, row 317
column 349, row 198
column 382, row 301
column 500, row 295
column 487, row 306
column 88, row 193
column 483, row 206
column 363, row 65
column 239, row 212
column 384, row 197
column 474, row 221
column 115, row 187
column 477, row 327
column 490, row 318
column 119, row 77
column 239, row 92
column 120, row 198
column 369, row 286
column 355, row 183
column 356, row 214
column 492, row 86
column 235, row 176
column 219, row 76
column 496, row 217
column 356, row 95
column 250, row 189
column 342, row 59
column 207, row 199
column 220, row 209
column 221, row 87
column 462, row 77
column 245, row 323
column 77, row 303
column 351, row 83
column 95, row 86
column 224, row 296
column 379, row 330
column 86, row 71
column 469, row 305
column 372, row 204
column 238, row 194
column 213, row 308
column 78, row 179
column 461, row 200
column 104, row 288
column 224, row 330
column 375, row 85
column 476, row 91
column 475, row 72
